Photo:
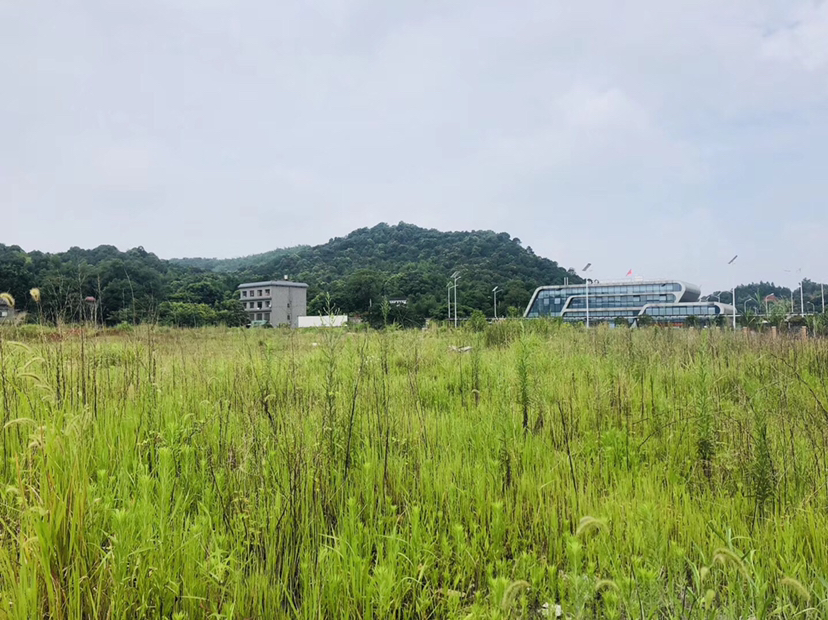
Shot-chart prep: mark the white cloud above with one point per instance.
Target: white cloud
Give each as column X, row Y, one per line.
column 594, row 131
column 803, row 40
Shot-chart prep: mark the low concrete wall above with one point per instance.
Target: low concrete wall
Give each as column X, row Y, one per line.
column 338, row 320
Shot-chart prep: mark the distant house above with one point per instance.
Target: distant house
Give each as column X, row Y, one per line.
column 6, row 311
column 398, row 302
column 279, row 302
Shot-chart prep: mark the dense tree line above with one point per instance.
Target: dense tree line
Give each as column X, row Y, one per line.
column 131, row 286
column 355, row 274
column 753, row 297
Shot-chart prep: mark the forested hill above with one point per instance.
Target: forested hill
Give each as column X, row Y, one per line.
column 229, row 265
column 406, row 261
column 358, row 271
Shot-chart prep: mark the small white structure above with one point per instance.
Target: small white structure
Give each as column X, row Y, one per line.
column 338, row 320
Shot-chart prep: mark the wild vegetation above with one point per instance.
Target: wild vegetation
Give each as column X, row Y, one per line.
column 151, row 472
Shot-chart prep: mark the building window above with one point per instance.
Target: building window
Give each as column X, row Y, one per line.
column 267, row 316
column 267, row 291
column 260, row 292
column 267, row 304
column 258, row 304
column 244, row 293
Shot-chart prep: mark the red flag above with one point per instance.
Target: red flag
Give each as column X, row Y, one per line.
column 629, row 273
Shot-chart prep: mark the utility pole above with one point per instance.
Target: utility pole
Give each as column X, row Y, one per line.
column 586, row 281
column 822, row 290
column 802, row 297
column 494, row 292
column 732, row 260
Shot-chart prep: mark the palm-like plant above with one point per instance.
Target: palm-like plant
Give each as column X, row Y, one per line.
column 818, row 324
column 750, row 319
column 778, row 313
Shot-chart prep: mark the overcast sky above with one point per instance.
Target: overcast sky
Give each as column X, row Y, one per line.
column 659, row 136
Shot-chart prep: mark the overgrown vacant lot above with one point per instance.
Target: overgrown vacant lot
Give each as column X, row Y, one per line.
column 260, row 474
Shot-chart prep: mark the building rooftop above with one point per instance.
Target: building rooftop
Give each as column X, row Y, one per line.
column 627, row 282
column 273, row 283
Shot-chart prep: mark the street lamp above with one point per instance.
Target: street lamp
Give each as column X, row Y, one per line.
column 586, row 280
column 456, row 276
column 732, row 260
column 494, row 292
column 801, row 294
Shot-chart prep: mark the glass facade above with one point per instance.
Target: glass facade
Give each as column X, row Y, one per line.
column 667, row 301
column 681, row 310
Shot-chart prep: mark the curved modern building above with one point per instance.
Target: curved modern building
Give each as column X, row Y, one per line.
column 666, row 301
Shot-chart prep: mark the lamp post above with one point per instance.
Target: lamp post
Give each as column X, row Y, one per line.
column 494, row 292
column 732, row 260
column 801, row 294
column 448, row 303
column 822, row 290
column 456, row 276
column 586, row 280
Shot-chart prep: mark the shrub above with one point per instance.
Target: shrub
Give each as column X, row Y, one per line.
column 477, row 322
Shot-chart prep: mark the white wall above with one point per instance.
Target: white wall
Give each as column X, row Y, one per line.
column 323, row 321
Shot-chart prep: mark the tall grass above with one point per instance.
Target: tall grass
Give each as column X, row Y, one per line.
column 260, row 474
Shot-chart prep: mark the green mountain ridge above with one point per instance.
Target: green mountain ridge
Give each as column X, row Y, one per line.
column 353, row 274
column 229, row 265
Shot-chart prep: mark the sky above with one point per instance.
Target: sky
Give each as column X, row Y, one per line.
column 662, row 137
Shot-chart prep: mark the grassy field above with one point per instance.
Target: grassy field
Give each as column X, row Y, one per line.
column 262, row 474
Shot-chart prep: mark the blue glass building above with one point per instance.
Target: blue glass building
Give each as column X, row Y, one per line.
column 666, row 301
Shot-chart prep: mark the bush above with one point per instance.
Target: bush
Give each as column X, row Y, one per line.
column 644, row 320
column 477, row 322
